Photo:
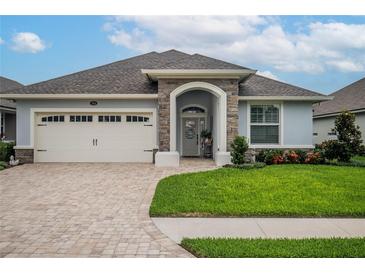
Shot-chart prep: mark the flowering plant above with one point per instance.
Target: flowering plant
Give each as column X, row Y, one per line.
column 292, row 157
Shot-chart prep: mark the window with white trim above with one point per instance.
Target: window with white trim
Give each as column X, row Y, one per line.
column 264, row 124
column 134, row 118
column 110, row 118
column 81, row 118
column 193, row 109
column 54, row 118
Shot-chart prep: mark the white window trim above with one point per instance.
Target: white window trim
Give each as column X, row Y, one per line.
column 280, row 124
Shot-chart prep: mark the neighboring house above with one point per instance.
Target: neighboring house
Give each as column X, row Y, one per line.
column 123, row 111
column 7, row 111
column 351, row 98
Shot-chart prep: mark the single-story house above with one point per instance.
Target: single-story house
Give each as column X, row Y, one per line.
column 127, row 110
column 351, row 98
column 8, row 111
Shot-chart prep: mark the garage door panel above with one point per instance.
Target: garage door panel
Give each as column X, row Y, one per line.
column 133, row 155
column 68, row 141
column 126, row 138
column 65, row 155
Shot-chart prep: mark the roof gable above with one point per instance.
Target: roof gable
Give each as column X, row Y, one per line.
column 258, row 85
column 8, row 84
column 351, row 97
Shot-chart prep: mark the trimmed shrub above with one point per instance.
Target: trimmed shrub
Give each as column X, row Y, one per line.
column 239, row 148
column 301, row 155
column 271, row 156
column 314, row 157
column 291, row 157
column 260, row 157
column 335, row 150
column 6, row 150
column 278, row 159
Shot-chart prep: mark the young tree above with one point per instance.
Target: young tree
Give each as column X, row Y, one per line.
column 348, row 133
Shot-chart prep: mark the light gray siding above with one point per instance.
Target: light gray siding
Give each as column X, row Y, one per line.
column 297, row 123
column 24, row 109
column 297, row 115
column 322, row 126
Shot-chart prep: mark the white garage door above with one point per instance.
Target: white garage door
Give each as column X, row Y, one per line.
column 94, row 137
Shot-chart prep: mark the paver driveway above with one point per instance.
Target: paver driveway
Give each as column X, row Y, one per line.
column 84, row 210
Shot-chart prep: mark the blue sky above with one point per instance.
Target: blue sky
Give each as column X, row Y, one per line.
column 322, row 53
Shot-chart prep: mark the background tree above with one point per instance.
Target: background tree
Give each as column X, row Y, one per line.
column 347, row 132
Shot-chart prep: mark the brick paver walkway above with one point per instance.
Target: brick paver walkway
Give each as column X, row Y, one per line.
column 84, row 210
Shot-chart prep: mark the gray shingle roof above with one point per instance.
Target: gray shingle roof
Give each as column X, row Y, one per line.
column 125, row 77
column 119, row 77
column 5, row 85
column 197, row 61
column 351, row 97
column 258, row 85
column 8, row 84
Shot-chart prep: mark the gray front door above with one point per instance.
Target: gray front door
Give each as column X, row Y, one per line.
column 190, row 138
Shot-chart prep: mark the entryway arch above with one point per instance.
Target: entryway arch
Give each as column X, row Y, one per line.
column 221, row 134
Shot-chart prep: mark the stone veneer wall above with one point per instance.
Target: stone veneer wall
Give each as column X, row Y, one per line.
column 25, row 156
column 166, row 86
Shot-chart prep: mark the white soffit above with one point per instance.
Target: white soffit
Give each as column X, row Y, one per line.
column 155, row 74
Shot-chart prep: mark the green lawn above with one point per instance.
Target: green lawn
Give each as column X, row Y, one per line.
column 278, row 190
column 276, row 248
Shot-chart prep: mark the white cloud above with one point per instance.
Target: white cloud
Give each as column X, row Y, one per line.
column 27, row 42
column 248, row 40
column 267, row 74
column 1, row 41
column 346, row 65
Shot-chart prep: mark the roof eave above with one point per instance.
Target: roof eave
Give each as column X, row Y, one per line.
column 324, row 115
column 313, row 99
column 79, row 96
column 155, row 74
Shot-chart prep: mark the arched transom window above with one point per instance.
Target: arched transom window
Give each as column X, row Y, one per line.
column 193, row 109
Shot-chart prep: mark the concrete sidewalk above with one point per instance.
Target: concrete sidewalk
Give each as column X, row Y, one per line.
column 178, row 228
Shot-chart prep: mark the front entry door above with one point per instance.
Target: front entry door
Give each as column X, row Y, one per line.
column 190, row 136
